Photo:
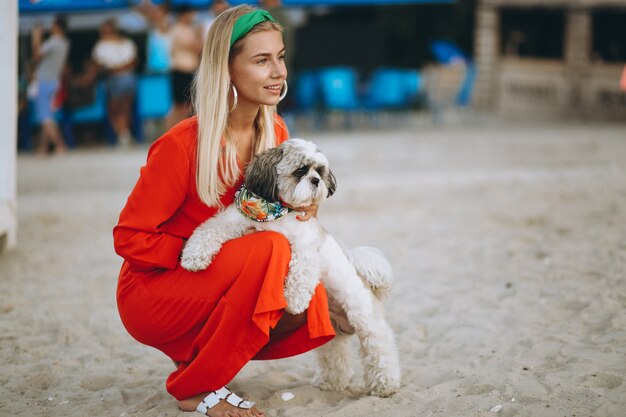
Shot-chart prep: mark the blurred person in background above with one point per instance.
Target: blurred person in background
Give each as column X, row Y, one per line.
column 50, row 58
column 186, row 48
column 116, row 57
column 159, row 42
column 217, row 8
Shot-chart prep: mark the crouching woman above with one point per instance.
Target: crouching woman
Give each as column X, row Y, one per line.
column 212, row 322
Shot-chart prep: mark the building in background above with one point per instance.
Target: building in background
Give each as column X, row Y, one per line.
column 551, row 57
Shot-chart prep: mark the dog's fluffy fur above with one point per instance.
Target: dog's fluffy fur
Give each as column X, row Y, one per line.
column 356, row 280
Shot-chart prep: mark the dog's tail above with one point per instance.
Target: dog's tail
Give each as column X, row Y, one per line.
column 373, row 268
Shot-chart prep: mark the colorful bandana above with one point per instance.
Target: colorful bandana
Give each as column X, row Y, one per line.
column 257, row 208
column 244, row 23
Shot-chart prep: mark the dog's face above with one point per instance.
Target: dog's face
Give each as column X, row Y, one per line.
column 295, row 172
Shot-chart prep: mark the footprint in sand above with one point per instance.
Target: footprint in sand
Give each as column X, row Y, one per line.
column 478, row 389
column 604, row 381
column 41, row 379
column 97, row 382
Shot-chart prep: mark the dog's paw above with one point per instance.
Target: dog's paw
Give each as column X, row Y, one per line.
column 383, row 391
column 298, row 299
column 197, row 255
column 297, row 306
column 194, row 259
column 193, row 264
column 325, row 385
column 384, row 386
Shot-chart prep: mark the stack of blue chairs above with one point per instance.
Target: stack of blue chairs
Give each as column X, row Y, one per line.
column 392, row 88
column 338, row 89
column 446, row 53
column 307, row 91
column 153, row 101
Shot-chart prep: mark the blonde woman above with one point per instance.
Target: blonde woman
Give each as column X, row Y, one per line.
column 211, row 323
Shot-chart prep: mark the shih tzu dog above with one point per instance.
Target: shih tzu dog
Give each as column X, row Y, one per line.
column 356, row 280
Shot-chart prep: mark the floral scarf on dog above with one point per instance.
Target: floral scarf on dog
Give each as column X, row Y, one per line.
column 257, row 208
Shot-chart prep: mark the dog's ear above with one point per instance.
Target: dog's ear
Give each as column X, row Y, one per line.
column 331, row 182
column 261, row 175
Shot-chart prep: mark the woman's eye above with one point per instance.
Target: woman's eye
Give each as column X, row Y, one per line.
column 262, row 61
column 281, row 58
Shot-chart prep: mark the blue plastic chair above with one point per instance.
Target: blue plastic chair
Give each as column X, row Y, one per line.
column 467, row 87
column 338, row 86
column 446, row 52
column 154, row 96
column 386, row 89
column 307, row 91
column 414, row 84
column 94, row 112
column 392, row 88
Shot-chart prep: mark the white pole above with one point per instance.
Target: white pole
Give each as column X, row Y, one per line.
column 8, row 121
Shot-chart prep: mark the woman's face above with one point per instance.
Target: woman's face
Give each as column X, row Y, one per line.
column 107, row 29
column 258, row 71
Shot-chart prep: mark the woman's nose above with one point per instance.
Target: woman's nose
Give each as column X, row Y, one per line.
column 279, row 69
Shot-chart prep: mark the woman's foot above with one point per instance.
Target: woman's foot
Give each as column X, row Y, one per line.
column 223, row 409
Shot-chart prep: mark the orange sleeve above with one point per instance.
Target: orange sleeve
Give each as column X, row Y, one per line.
column 140, row 236
column 280, row 127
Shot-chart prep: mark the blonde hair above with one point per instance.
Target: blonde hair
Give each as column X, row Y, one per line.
column 217, row 166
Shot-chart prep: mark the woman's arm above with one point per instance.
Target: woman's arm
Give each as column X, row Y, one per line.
column 141, row 235
column 36, row 42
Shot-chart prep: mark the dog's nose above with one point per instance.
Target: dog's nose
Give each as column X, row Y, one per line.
column 315, row 181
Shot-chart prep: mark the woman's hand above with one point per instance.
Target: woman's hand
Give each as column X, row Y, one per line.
column 306, row 211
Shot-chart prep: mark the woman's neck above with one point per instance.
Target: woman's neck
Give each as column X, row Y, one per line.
column 242, row 118
column 241, row 126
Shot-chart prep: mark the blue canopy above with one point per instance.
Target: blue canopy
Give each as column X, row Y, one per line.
column 30, row 6
column 34, row 6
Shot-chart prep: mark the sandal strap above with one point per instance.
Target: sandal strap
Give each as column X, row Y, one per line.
column 207, row 403
column 237, row 401
column 223, row 393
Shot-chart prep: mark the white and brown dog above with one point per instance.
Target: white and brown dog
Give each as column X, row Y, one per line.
column 298, row 174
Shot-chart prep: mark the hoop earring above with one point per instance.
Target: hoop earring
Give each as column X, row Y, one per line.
column 284, row 93
column 235, row 98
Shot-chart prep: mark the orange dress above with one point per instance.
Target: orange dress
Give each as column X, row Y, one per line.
column 214, row 321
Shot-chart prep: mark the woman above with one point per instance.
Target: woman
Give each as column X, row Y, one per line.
column 51, row 57
column 186, row 47
column 158, row 41
column 117, row 57
column 211, row 323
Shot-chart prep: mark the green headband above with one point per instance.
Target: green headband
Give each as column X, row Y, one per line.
column 247, row 21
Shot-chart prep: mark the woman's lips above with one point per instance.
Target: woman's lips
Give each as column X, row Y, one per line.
column 274, row 89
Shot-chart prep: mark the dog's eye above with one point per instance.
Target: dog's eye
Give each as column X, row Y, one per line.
column 321, row 170
column 301, row 172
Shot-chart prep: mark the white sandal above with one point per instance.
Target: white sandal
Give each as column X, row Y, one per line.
column 223, row 393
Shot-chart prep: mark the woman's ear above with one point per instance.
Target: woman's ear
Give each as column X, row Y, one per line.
column 261, row 176
column 331, row 183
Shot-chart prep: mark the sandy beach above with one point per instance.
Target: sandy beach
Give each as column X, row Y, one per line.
column 508, row 243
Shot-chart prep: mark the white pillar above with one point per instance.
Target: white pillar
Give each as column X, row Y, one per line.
column 8, row 121
column 486, row 54
column 578, row 36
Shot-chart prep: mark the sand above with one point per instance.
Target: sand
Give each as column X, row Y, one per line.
column 508, row 243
